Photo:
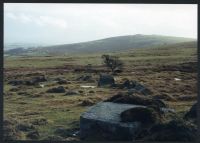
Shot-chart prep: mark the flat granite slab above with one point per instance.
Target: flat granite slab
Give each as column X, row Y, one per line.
column 102, row 121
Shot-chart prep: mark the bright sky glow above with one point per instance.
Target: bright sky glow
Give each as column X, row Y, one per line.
column 72, row 23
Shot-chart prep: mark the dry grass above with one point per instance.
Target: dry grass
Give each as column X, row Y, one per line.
column 143, row 66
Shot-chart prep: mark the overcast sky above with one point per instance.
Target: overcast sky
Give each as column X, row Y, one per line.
column 71, row 23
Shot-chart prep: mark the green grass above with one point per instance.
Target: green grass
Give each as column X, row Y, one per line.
column 60, row 110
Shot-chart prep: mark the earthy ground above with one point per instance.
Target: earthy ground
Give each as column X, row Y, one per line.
column 40, row 115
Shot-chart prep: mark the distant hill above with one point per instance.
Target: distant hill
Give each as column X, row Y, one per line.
column 112, row 44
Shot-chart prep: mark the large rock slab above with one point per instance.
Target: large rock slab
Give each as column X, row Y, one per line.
column 102, row 121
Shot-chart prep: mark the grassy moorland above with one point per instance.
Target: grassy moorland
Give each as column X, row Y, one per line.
column 38, row 114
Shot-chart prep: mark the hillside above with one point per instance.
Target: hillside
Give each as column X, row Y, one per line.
column 120, row 43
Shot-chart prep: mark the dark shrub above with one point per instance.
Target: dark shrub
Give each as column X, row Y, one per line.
column 113, row 63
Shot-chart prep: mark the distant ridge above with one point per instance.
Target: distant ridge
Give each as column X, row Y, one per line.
column 111, row 44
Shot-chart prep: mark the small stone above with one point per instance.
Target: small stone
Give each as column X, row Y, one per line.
column 59, row 89
column 106, row 79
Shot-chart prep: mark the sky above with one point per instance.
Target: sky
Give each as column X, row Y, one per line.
column 53, row 24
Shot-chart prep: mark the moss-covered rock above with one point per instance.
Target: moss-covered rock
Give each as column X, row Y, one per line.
column 174, row 130
column 136, row 99
column 145, row 115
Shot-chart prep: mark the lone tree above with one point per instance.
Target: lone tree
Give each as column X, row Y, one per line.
column 113, row 62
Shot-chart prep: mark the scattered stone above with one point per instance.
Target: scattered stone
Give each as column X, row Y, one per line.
column 87, row 102
column 39, row 79
column 175, row 130
column 62, row 81
column 139, row 88
column 129, row 84
column 91, row 91
column 25, row 127
column 59, row 89
column 103, row 121
column 81, row 91
column 33, row 135
column 117, row 70
column 106, row 79
column 87, row 86
column 40, row 85
column 30, row 83
column 133, row 87
column 177, row 79
column 192, row 113
column 16, row 82
column 36, row 80
column 168, row 110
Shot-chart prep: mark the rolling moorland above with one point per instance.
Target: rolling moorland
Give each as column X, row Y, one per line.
column 120, row 43
column 167, row 66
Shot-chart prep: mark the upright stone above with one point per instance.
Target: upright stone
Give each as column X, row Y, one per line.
column 106, row 79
